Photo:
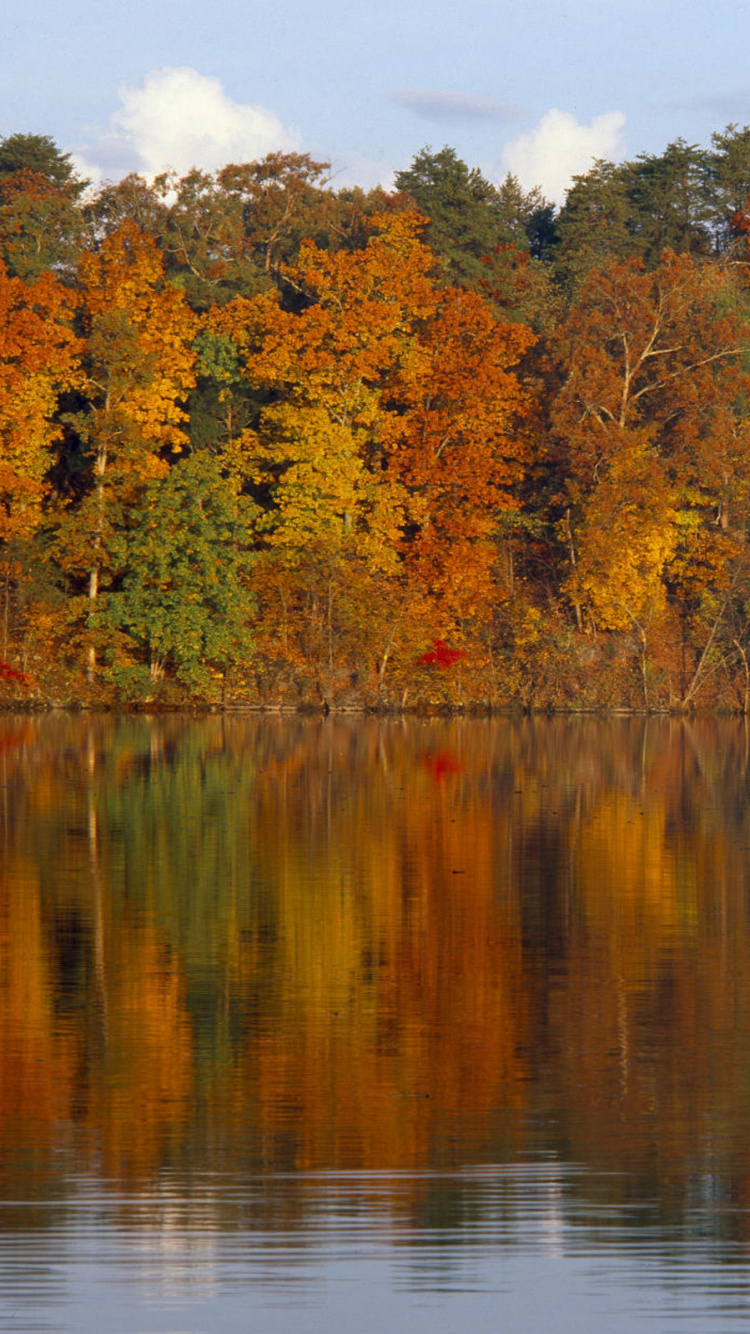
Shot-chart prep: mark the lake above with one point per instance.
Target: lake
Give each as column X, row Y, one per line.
column 330, row 1024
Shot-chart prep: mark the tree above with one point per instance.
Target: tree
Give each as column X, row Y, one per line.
column 182, row 607
column 596, row 225
column 467, row 218
column 39, row 155
column 651, row 425
column 139, row 367
column 38, row 361
column 527, row 218
column 40, row 218
column 670, row 204
column 728, row 182
column 279, row 199
column 387, row 446
column 130, row 199
column 461, row 449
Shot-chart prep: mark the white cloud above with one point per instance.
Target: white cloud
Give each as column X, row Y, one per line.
column 558, row 149
column 181, row 119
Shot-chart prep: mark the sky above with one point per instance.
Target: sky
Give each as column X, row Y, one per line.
column 153, row 84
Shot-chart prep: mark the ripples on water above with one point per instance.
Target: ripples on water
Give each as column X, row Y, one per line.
column 324, row 1026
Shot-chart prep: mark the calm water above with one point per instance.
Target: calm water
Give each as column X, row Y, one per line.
column 323, row 1025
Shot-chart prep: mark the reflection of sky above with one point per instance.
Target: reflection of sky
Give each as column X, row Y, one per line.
column 529, row 1260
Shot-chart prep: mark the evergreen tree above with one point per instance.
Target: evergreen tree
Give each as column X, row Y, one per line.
column 669, row 202
column 468, row 219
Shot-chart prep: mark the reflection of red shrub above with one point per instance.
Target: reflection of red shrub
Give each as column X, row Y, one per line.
column 440, row 655
column 10, row 674
column 442, row 763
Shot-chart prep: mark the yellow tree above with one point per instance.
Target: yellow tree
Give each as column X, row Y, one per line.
column 38, row 359
column 387, row 446
column 334, row 510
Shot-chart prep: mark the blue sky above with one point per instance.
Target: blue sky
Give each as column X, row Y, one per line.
column 158, row 82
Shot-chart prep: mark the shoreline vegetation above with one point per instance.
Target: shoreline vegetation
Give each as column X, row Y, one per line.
column 266, row 445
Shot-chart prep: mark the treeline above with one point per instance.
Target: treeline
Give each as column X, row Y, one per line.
column 273, row 442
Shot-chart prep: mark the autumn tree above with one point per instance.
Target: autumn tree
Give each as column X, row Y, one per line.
column 318, row 459
column 38, row 360
column 653, row 437
column 279, row 199
column 139, row 367
column 387, row 447
column 461, row 448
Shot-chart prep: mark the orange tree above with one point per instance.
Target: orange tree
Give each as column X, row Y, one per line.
column 38, row 360
column 388, row 443
column 138, row 368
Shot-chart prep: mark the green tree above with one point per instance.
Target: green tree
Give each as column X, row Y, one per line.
column 669, row 202
column 728, row 182
column 596, row 224
column 468, row 219
column 183, row 608
column 39, row 154
column 527, row 218
column 40, row 218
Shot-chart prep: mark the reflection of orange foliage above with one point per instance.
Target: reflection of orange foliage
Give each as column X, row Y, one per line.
column 400, row 1027
column 140, row 1093
column 37, row 1055
column 415, row 972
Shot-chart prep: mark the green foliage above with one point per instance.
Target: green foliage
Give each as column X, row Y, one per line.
column 596, row 223
column 469, row 218
column 183, row 608
column 728, row 182
column 38, row 153
column 669, row 202
column 222, row 404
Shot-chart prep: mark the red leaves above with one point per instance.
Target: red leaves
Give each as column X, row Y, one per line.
column 10, row 674
column 440, row 655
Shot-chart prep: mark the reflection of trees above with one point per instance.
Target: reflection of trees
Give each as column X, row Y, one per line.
column 254, row 944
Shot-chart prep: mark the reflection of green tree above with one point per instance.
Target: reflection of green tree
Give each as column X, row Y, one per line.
column 179, row 850
column 298, row 878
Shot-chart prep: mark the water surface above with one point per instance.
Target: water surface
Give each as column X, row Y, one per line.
column 327, row 1025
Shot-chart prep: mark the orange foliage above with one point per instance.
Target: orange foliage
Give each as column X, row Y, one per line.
column 38, row 359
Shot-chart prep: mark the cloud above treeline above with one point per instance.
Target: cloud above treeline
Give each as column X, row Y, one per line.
column 432, row 104
column 178, row 118
column 558, row 148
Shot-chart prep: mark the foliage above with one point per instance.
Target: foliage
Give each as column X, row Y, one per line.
column 267, row 439
column 182, row 608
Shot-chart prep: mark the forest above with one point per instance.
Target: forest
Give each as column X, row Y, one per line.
column 271, row 443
